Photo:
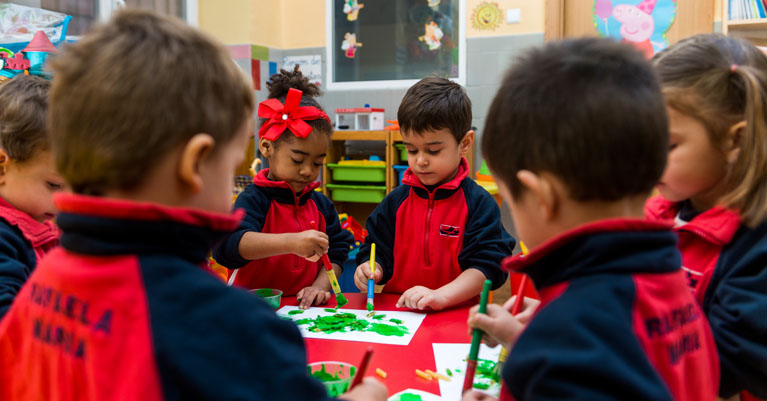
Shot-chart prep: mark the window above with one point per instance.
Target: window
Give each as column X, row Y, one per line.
column 86, row 12
column 394, row 43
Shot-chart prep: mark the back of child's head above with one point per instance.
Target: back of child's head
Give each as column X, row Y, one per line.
column 435, row 103
column 280, row 84
column 720, row 81
column 132, row 90
column 23, row 110
column 588, row 111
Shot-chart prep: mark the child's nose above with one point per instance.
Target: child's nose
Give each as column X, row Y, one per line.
column 422, row 160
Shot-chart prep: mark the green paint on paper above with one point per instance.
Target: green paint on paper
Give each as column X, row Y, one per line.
column 486, row 370
column 295, row 312
column 323, row 375
column 379, row 317
column 482, row 386
column 396, row 321
column 347, row 322
column 410, row 397
column 450, row 373
column 331, row 310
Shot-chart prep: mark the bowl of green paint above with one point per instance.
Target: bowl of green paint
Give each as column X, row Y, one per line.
column 270, row 295
column 336, row 376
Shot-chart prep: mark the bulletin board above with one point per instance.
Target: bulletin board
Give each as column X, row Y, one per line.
column 394, row 43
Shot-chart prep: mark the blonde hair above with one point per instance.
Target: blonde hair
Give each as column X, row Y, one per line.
column 134, row 89
column 720, row 81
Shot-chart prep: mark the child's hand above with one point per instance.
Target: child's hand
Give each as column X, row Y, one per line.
column 369, row 389
column 420, row 297
column 312, row 295
column 310, row 244
column 473, row 395
column 498, row 324
column 529, row 306
column 363, row 273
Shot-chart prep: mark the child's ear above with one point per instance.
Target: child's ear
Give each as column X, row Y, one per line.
column 465, row 146
column 266, row 147
column 195, row 152
column 733, row 141
column 5, row 161
column 544, row 194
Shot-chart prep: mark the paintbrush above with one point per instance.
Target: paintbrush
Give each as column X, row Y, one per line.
column 516, row 308
column 471, row 362
column 371, row 281
column 363, row 367
column 340, row 298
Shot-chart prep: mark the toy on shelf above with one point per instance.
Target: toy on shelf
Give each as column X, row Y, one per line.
column 486, row 181
column 351, row 224
column 360, row 119
column 28, row 60
column 370, row 170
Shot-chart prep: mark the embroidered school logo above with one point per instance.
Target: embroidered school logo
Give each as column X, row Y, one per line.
column 448, row 230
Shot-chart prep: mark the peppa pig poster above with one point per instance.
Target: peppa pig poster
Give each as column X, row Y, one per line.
column 643, row 23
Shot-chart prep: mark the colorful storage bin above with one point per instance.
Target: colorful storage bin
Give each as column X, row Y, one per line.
column 400, row 169
column 357, row 193
column 402, row 151
column 357, row 173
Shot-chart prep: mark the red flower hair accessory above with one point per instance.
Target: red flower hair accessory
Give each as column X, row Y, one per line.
column 290, row 115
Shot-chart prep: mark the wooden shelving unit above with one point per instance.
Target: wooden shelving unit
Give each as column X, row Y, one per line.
column 336, row 152
column 755, row 30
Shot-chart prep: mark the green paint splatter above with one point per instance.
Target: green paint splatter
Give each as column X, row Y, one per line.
column 295, row 312
column 323, row 375
column 486, row 370
column 379, row 317
column 347, row 322
column 331, row 310
column 450, row 373
column 482, row 386
column 396, row 321
column 410, row 397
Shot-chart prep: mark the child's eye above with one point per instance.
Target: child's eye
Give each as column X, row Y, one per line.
column 317, row 164
column 411, row 152
column 672, row 146
column 433, row 152
column 296, row 161
column 53, row 185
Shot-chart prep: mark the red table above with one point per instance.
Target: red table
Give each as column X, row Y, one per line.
column 398, row 361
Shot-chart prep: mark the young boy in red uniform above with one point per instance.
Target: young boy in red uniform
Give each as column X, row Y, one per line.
column 149, row 120
column 28, row 180
column 439, row 234
column 577, row 138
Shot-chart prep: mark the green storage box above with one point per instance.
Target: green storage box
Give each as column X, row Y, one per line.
column 402, row 151
column 357, row 193
column 357, row 173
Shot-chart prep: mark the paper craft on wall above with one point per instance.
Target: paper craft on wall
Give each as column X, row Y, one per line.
column 350, row 45
column 352, row 9
column 311, row 66
column 388, row 327
column 643, row 23
column 487, row 15
column 432, row 36
column 451, row 361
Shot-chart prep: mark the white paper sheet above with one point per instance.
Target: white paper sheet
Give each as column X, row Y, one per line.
column 424, row 395
column 452, row 356
column 410, row 320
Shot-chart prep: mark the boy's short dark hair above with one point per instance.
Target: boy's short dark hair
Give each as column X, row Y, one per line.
column 589, row 111
column 435, row 103
column 23, row 109
column 132, row 90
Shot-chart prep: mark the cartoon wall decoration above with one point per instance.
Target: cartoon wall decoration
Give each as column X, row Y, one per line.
column 350, row 45
column 487, row 15
column 643, row 23
column 352, row 9
column 432, row 36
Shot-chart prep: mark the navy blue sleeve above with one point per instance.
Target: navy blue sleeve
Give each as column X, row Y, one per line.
column 339, row 239
column 736, row 306
column 381, row 225
column 256, row 205
column 214, row 342
column 580, row 347
column 485, row 241
column 17, row 260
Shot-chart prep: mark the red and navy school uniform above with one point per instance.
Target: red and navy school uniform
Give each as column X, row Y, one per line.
column 429, row 236
column 273, row 207
column 23, row 241
column 126, row 309
column 616, row 320
column 726, row 266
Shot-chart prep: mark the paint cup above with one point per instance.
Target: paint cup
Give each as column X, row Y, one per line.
column 270, row 295
column 336, row 376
